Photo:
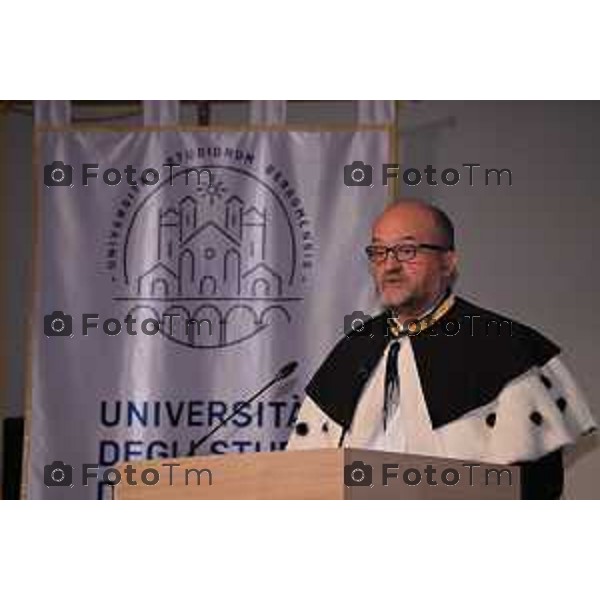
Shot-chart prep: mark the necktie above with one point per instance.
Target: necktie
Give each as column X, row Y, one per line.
column 392, row 385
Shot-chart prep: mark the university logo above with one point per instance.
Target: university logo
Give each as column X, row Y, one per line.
column 217, row 255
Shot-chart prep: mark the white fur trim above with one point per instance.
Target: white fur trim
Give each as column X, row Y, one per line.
column 515, row 435
column 321, row 430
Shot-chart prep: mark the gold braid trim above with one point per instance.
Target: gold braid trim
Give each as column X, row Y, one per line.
column 416, row 326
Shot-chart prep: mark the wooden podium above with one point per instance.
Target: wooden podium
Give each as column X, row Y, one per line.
column 317, row 475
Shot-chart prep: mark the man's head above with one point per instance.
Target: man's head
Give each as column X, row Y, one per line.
column 423, row 266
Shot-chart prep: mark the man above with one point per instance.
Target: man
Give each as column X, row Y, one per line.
column 436, row 375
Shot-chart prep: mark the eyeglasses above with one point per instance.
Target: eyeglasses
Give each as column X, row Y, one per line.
column 401, row 252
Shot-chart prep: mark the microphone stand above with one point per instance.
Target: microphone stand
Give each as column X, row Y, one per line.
column 283, row 373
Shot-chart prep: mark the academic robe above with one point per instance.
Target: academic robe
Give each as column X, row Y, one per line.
column 487, row 389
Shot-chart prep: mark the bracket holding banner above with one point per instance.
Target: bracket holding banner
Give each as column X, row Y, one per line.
column 161, row 113
column 56, row 113
column 381, row 112
column 268, row 112
column 376, row 112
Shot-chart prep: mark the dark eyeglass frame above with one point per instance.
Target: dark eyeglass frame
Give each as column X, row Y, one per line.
column 395, row 250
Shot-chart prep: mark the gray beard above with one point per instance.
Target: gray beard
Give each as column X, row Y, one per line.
column 414, row 306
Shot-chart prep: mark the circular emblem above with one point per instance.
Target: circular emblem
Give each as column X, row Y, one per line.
column 216, row 259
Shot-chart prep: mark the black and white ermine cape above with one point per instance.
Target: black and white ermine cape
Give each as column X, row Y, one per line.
column 475, row 386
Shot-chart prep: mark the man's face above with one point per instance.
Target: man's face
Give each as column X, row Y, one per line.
column 410, row 286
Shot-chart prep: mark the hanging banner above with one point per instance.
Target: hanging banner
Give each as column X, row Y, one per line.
column 177, row 272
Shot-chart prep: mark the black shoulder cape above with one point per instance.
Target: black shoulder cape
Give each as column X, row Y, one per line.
column 463, row 360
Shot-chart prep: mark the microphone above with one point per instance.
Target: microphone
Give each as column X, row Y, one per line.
column 282, row 374
column 287, row 370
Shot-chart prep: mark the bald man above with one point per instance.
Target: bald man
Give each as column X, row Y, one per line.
column 438, row 376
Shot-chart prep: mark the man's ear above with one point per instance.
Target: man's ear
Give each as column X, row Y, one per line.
column 450, row 263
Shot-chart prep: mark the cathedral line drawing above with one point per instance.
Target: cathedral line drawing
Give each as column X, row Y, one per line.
column 211, row 249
